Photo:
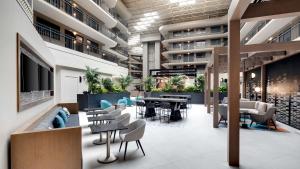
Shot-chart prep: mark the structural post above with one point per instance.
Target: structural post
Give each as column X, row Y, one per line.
column 208, row 101
column 216, row 91
column 234, row 93
column 205, row 88
column 263, row 83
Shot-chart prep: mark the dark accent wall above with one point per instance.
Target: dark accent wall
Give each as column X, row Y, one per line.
column 251, row 83
column 283, row 89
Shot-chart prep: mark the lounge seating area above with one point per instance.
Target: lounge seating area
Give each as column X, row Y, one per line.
column 259, row 112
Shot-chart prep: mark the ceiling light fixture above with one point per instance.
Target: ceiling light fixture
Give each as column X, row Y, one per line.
column 183, row 2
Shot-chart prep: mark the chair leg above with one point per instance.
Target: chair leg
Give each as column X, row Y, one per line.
column 141, row 146
column 114, row 135
column 137, row 144
column 120, row 146
column 125, row 149
column 274, row 124
column 251, row 123
column 220, row 120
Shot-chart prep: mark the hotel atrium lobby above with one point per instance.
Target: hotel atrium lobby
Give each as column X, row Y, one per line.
column 150, row 84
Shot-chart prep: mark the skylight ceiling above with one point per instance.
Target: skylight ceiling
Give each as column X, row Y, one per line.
column 148, row 15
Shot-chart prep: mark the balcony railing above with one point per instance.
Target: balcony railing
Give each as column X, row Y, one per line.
column 191, row 47
column 56, row 37
column 72, row 9
column 189, row 59
column 254, row 30
column 288, row 35
column 192, row 34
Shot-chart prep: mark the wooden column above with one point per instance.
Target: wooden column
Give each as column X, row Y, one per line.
column 208, row 101
column 244, row 85
column 216, row 91
column 263, row 83
column 205, row 88
column 234, row 93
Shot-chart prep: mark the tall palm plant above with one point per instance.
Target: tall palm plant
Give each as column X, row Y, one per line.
column 92, row 78
column 125, row 81
column 177, row 82
column 199, row 83
column 149, row 83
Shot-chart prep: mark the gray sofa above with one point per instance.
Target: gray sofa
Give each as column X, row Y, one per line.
column 260, row 112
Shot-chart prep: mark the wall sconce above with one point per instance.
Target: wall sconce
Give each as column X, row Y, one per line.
column 257, row 89
column 253, row 75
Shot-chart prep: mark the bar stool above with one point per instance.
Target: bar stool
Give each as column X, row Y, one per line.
column 165, row 111
column 140, row 106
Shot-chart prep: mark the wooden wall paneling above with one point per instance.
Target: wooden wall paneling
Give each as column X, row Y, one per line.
column 216, row 90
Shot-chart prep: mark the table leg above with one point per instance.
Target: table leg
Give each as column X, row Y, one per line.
column 109, row 158
column 99, row 141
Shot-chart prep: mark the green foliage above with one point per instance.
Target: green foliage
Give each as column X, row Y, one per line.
column 117, row 89
column 168, row 87
column 92, row 78
column 149, row 83
column 190, row 89
column 156, row 90
column 177, row 83
column 125, row 81
column 108, row 84
column 199, row 83
column 223, row 89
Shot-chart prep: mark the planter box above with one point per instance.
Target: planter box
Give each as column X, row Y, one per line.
column 197, row 98
column 93, row 100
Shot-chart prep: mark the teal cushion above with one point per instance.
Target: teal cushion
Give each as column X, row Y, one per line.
column 139, row 97
column 63, row 115
column 105, row 104
column 58, row 122
column 129, row 102
column 122, row 102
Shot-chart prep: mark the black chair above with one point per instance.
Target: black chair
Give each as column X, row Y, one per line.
column 140, row 108
column 150, row 110
column 165, row 111
column 183, row 109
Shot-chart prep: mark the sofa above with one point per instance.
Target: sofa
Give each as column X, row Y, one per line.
column 38, row 144
column 259, row 112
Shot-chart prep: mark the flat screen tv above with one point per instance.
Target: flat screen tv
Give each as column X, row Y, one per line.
column 29, row 74
column 50, row 80
column 43, row 78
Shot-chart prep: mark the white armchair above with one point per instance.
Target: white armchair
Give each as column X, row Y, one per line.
column 122, row 119
column 264, row 117
column 134, row 132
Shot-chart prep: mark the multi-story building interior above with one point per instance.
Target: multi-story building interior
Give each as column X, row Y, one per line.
column 149, row 84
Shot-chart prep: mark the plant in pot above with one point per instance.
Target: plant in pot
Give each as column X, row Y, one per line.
column 125, row 81
column 92, row 79
column 199, row 83
column 177, row 83
column 108, row 84
column 149, row 83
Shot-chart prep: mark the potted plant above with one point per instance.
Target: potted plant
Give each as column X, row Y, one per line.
column 149, row 83
column 125, row 81
column 92, row 78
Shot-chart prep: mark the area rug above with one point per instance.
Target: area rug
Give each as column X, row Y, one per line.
column 264, row 127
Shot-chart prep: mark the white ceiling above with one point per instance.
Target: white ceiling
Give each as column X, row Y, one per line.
column 170, row 13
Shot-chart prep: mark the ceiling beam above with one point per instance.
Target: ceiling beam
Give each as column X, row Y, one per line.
column 237, row 9
column 271, row 10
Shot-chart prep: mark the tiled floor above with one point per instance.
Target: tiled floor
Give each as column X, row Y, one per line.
column 193, row 144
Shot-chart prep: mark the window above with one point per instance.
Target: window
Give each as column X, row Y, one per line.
column 200, row 30
column 48, row 29
column 92, row 46
column 200, row 55
column 215, row 29
column 215, row 41
column 225, row 42
column 177, row 33
column 286, row 36
column 200, row 43
column 225, row 28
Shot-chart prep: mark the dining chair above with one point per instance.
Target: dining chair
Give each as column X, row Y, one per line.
column 183, row 108
column 140, row 106
column 134, row 132
column 165, row 111
column 122, row 119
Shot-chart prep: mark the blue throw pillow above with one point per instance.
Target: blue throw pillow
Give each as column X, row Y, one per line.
column 105, row 104
column 122, row 102
column 63, row 115
column 129, row 102
column 58, row 122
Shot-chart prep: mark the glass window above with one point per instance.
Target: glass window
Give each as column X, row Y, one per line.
column 200, row 30
column 225, row 28
column 286, row 36
column 200, row 43
column 200, row 55
column 215, row 41
column 215, row 29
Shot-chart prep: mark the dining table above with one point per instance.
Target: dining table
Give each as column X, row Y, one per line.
column 98, row 120
column 108, row 128
column 174, row 102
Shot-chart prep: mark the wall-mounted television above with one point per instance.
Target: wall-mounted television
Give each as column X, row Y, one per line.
column 29, row 74
column 35, row 76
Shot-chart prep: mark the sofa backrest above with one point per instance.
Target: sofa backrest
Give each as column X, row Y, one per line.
column 247, row 104
column 46, row 121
